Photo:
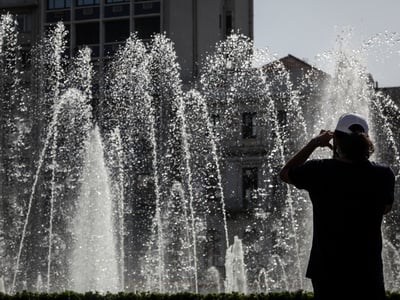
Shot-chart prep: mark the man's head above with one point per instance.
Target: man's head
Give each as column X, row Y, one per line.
column 349, row 123
column 351, row 139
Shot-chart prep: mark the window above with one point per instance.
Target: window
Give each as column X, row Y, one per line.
column 116, row 31
column 215, row 120
column 87, row 33
column 147, row 8
column 215, row 123
column 120, row 10
column 24, row 23
column 26, row 58
column 228, row 23
column 249, row 128
column 146, row 27
column 282, row 117
column 55, row 16
column 57, row 4
column 87, row 2
column 249, row 184
column 87, row 12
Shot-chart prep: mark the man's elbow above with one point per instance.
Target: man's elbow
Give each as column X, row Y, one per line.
column 387, row 209
column 284, row 175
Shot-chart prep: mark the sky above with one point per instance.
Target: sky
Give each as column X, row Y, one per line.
column 309, row 28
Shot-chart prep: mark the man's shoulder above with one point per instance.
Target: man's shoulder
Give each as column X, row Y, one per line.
column 379, row 165
column 321, row 162
column 382, row 168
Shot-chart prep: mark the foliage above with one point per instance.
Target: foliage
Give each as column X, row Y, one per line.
column 298, row 295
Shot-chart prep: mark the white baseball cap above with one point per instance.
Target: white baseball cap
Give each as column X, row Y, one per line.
column 349, row 119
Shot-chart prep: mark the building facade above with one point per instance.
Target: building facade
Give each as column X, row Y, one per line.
column 194, row 26
column 246, row 151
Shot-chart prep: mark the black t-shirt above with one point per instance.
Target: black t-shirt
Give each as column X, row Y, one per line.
column 348, row 203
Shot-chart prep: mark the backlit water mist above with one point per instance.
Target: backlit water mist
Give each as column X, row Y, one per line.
column 94, row 263
column 150, row 186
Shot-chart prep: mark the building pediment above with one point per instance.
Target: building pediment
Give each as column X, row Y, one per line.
column 291, row 63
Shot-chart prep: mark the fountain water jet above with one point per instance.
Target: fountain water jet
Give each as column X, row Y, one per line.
column 165, row 156
column 213, row 279
column 2, row 287
column 94, row 263
column 236, row 277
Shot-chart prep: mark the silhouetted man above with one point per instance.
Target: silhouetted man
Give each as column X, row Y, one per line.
column 350, row 195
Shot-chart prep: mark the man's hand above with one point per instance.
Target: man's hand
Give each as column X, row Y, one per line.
column 323, row 139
